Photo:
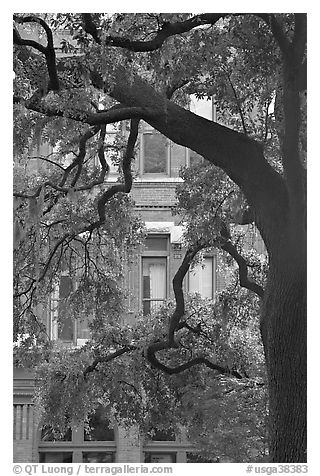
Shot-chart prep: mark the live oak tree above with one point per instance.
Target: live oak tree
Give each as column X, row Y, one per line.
column 143, row 67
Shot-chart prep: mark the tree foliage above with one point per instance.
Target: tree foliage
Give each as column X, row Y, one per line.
column 143, row 66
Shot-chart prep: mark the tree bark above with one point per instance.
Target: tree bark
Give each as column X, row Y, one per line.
column 284, row 329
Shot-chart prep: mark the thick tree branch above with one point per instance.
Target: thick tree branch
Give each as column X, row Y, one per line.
column 238, row 155
column 17, row 40
column 116, row 113
column 167, row 29
column 48, row 51
column 188, row 365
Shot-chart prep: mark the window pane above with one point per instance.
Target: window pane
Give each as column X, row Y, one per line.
column 55, row 457
column 65, row 326
column 163, row 435
column 49, row 434
column 154, row 243
column 154, row 283
column 160, row 457
column 97, row 457
column 65, row 287
column 200, row 279
column 154, row 278
column 155, row 153
column 83, row 330
column 99, row 428
column 178, row 158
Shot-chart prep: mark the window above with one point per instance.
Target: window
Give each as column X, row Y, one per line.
column 98, row 428
column 154, row 273
column 156, row 457
column 91, row 442
column 167, row 434
column 49, row 434
column 156, row 243
column 98, row 457
column 35, row 164
column 202, row 278
column 178, row 158
column 63, row 326
column 154, row 287
column 159, row 155
column 155, row 153
column 55, row 457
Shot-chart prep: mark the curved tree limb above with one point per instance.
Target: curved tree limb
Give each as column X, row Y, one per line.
column 167, row 29
column 188, row 365
column 126, row 168
column 178, row 291
column 245, row 282
column 175, row 324
column 48, row 51
column 230, row 248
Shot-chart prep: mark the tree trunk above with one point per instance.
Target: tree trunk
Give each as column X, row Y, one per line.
column 284, row 335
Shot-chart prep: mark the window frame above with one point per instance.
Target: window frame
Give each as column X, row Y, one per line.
column 150, row 131
column 53, row 317
column 146, row 129
column 154, row 254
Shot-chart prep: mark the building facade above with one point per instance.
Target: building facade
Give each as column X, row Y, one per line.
column 149, row 282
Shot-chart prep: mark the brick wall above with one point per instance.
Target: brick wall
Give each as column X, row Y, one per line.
column 154, row 194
